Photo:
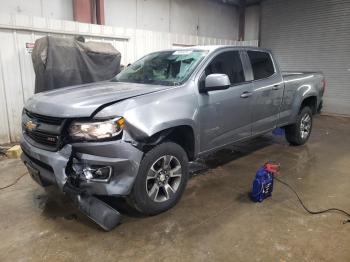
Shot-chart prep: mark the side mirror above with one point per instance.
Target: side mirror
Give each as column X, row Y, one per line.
column 215, row 82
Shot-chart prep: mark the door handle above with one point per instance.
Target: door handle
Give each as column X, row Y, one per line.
column 246, row 94
column 276, row 87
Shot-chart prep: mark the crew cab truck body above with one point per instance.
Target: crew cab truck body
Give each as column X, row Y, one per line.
column 133, row 136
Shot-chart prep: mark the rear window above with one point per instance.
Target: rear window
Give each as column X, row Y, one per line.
column 262, row 65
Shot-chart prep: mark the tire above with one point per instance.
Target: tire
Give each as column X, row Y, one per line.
column 153, row 173
column 298, row 133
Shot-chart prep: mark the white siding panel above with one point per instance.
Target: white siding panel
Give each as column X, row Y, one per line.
column 26, row 65
column 312, row 35
column 4, row 126
column 12, row 81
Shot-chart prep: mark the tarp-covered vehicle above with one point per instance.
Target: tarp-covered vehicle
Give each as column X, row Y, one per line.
column 60, row 62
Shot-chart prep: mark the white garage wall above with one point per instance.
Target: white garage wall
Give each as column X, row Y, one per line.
column 252, row 21
column 16, row 69
column 57, row 9
column 195, row 17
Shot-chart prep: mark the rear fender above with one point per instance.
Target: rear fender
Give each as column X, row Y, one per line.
column 305, row 91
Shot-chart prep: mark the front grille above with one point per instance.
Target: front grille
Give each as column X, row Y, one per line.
column 43, row 131
column 43, row 138
column 45, row 119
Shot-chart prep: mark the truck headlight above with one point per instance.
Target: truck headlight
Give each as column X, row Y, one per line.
column 96, row 130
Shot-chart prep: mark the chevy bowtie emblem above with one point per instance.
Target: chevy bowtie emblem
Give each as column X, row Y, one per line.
column 30, row 125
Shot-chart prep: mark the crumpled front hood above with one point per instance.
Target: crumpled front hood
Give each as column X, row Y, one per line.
column 83, row 100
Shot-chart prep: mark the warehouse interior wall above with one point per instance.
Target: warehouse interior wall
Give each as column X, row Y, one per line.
column 195, row 17
column 208, row 18
column 252, row 22
column 56, row 9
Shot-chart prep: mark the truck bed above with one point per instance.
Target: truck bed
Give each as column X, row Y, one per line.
column 298, row 73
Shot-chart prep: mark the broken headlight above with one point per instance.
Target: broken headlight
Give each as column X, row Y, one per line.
column 96, row 130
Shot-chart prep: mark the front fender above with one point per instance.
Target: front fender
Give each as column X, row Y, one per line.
column 147, row 115
column 140, row 129
column 143, row 131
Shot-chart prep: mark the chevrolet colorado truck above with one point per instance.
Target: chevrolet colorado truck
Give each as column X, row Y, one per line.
column 134, row 136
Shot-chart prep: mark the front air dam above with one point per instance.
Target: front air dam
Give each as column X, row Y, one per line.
column 98, row 211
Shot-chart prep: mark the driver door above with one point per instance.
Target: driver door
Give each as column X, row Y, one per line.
column 225, row 115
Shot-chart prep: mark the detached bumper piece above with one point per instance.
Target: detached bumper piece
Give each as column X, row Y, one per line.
column 98, row 211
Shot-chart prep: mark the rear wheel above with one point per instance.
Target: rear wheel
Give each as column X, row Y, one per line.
column 161, row 180
column 298, row 133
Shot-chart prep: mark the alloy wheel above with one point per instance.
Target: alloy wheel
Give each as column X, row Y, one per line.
column 305, row 126
column 163, row 178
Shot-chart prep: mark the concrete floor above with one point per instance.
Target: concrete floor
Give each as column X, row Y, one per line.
column 215, row 220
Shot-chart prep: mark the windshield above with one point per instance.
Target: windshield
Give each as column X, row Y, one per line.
column 162, row 68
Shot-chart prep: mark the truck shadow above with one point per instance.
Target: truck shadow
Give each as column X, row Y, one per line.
column 232, row 153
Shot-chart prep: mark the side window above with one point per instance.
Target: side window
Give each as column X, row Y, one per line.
column 228, row 63
column 262, row 65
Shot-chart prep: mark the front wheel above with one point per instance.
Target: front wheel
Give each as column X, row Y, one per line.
column 298, row 133
column 161, row 180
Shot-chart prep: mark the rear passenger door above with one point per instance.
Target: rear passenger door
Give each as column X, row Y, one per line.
column 267, row 91
column 225, row 114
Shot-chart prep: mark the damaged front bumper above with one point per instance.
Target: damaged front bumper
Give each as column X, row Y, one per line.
column 121, row 156
column 67, row 167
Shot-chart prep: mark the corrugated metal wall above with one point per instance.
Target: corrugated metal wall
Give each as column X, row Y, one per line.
column 16, row 69
column 312, row 35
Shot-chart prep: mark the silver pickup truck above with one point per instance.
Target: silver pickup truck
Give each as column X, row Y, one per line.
column 133, row 136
